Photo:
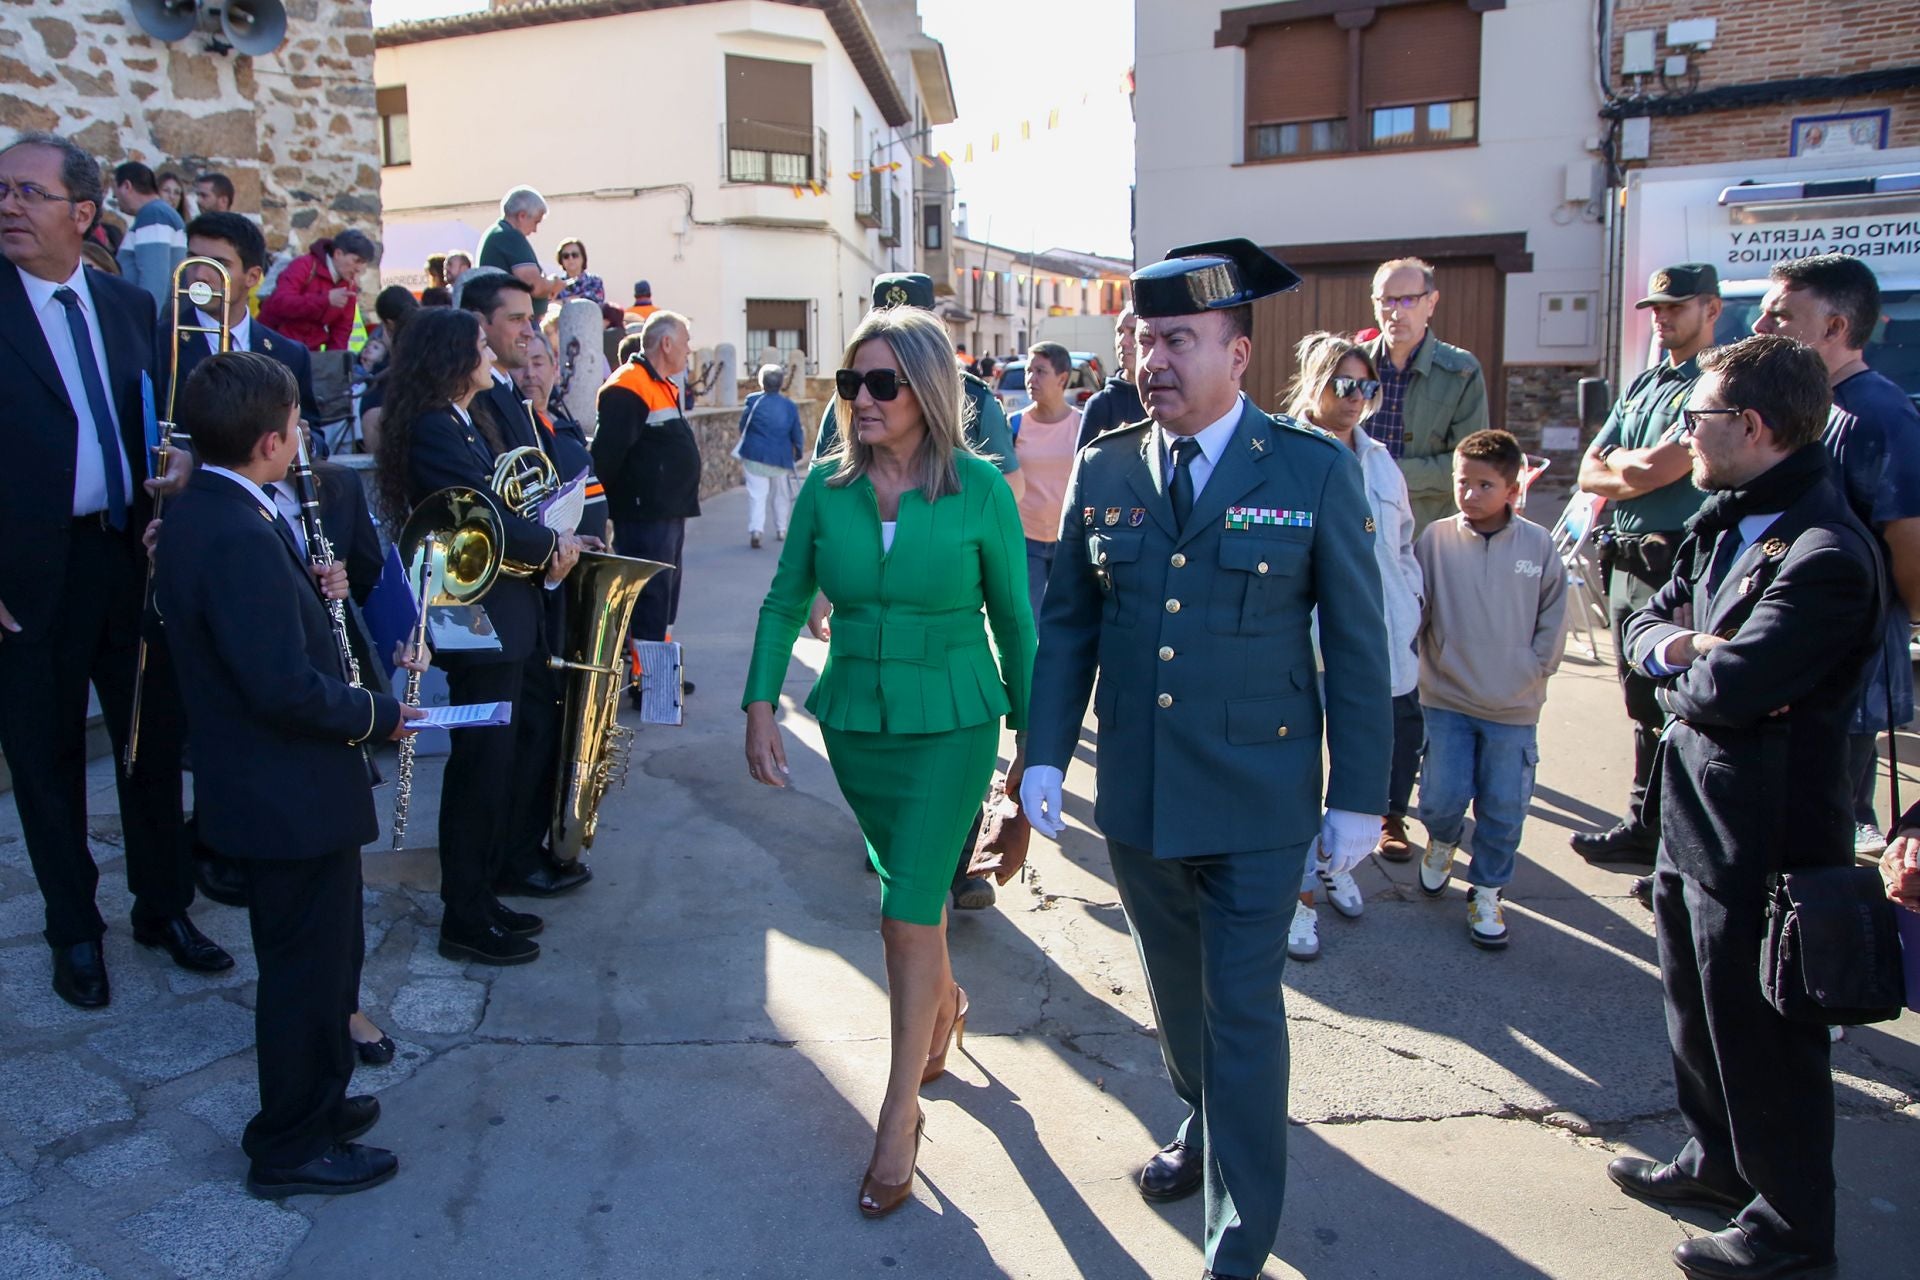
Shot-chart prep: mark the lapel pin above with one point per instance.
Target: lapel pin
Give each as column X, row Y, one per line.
column 1369, row 524
column 1113, row 516
column 1259, row 445
column 1086, row 516
column 1774, row 548
column 1136, row 516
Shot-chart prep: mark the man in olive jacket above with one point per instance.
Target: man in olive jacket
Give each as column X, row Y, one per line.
column 1432, row 394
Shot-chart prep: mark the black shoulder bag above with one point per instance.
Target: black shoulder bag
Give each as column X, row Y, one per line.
column 1832, row 951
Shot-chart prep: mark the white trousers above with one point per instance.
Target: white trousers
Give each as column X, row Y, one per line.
column 759, row 490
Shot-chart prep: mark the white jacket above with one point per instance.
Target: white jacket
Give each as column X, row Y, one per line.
column 1401, row 583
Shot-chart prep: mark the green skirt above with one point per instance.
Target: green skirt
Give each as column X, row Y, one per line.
column 914, row 795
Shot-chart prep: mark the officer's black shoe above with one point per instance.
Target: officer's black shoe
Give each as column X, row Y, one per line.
column 521, row 924
column 486, row 943
column 190, row 948
column 1642, row 889
column 1619, row 843
column 1665, row 1184
column 221, row 880
column 80, row 975
column 355, row 1117
column 549, row 879
column 1173, row 1174
column 340, row 1170
column 1734, row 1255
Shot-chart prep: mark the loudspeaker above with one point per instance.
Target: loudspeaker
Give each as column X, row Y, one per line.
column 166, row 20
column 1595, row 399
column 252, row 27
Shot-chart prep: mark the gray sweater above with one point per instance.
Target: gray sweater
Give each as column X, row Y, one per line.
column 1490, row 634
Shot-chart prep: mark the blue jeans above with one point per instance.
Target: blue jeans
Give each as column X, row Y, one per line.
column 1490, row 765
column 1039, row 565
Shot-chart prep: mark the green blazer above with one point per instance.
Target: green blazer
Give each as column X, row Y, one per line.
column 909, row 649
column 1446, row 403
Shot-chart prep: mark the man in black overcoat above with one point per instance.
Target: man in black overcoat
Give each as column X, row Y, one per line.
column 1759, row 644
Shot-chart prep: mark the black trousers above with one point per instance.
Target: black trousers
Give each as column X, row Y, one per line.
column 309, row 939
column 1409, row 741
column 1755, row 1090
column 43, row 712
column 659, row 604
column 1626, row 594
column 536, row 757
column 497, row 795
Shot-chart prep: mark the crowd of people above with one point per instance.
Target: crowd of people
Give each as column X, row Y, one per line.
column 1286, row 624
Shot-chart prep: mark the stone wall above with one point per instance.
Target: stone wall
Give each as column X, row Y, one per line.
column 718, row 430
column 1541, row 396
column 295, row 129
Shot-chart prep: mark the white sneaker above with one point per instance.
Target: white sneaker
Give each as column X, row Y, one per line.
column 1867, row 840
column 1436, row 867
column 1303, row 939
column 1344, row 893
column 1486, row 924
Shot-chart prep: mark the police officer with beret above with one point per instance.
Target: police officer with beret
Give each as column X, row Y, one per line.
column 1204, row 538
column 1642, row 471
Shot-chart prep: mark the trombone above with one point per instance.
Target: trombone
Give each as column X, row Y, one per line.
column 203, row 294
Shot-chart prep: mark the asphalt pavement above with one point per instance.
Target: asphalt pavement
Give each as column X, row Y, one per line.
column 684, row 1084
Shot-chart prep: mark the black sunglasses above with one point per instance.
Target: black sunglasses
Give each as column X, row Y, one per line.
column 1367, row 388
column 1690, row 418
column 885, row 384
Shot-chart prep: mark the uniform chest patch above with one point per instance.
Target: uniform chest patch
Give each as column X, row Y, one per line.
column 1248, row 517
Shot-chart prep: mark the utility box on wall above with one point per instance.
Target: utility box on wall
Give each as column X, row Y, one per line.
column 1566, row 319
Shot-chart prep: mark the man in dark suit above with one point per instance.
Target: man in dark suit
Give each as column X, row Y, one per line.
column 236, row 244
column 281, row 781
column 74, row 345
column 1758, row 643
column 1204, row 541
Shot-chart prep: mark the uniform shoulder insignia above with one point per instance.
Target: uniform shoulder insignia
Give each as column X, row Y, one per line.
column 1112, row 434
column 1303, row 428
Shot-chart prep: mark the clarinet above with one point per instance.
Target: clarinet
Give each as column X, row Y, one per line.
column 403, row 789
column 320, row 552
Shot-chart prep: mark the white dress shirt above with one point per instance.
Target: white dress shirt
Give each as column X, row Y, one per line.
column 1667, row 657
column 284, row 501
column 260, row 495
column 89, row 475
column 242, row 333
column 1212, row 440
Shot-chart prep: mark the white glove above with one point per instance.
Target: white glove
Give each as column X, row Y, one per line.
column 1346, row 838
column 1040, row 799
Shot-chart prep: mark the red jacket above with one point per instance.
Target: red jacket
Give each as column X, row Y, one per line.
column 298, row 305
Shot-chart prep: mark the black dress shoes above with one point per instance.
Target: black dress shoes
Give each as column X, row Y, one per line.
column 355, row 1117
column 484, row 944
column 223, row 880
column 1173, row 1174
column 521, row 924
column 190, row 948
column 549, row 880
column 375, row 1053
column 340, row 1170
column 80, row 975
column 1665, row 1184
column 1642, row 890
column 1619, row 843
column 1734, row 1255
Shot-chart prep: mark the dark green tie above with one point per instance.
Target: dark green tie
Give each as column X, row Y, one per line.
column 1184, row 450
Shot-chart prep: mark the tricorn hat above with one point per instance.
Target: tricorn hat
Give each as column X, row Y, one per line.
column 1213, row 276
column 903, row 289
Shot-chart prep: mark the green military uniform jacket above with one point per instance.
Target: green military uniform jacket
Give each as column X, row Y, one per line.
column 1208, row 702
column 981, row 418
column 1640, row 420
column 909, row 647
column 1446, row 402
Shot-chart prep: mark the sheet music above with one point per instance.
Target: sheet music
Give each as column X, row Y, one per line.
column 562, row 511
column 460, row 628
column 473, row 715
column 660, row 676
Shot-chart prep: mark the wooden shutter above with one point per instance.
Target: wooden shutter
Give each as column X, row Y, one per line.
column 769, row 105
column 391, row 101
column 1296, row 71
column 1421, row 53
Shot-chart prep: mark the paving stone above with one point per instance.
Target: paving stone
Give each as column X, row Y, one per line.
column 245, row 969
column 169, row 1044
column 26, row 988
column 13, row 852
column 31, row 1256
column 426, row 960
column 407, row 1059
column 446, row 1006
column 120, row 1160
column 226, row 1108
column 25, row 914
column 216, row 1231
column 15, row 1185
column 47, row 1096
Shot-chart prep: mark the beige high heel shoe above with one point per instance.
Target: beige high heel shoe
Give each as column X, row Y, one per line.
column 955, row 1034
column 878, row 1199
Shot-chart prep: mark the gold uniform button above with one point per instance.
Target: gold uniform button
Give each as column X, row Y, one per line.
column 1166, row 653
column 1166, row 699
column 1179, row 560
column 1173, row 606
column 1283, row 731
column 1261, row 567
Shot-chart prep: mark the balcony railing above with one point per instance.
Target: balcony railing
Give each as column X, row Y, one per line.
column 771, row 153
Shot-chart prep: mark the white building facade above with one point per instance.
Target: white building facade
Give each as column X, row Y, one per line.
column 1341, row 133
column 702, row 147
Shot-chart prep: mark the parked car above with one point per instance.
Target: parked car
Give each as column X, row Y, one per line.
column 1011, row 382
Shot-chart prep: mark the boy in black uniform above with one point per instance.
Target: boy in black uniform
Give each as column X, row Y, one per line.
column 281, row 781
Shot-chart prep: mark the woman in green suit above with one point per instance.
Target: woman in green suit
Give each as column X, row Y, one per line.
column 909, row 533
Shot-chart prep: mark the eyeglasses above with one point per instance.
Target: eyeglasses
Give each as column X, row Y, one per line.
column 1690, row 418
column 885, row 384
column 1400, row 301
column 31, row 194
column 1365, row 388
column 569, row 253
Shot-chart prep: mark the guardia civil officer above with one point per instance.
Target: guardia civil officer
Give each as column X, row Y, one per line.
column 1200, row 541
column 1759, row 643
column 1644, row 477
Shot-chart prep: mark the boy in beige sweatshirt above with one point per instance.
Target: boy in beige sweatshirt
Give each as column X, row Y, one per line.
column 1489, row 638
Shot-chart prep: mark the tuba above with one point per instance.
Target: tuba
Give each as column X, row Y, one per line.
column 452, row 546
column 601, row 593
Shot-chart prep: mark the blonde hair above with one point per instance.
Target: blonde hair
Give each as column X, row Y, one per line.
column 1315, row 360
column 924, row 352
